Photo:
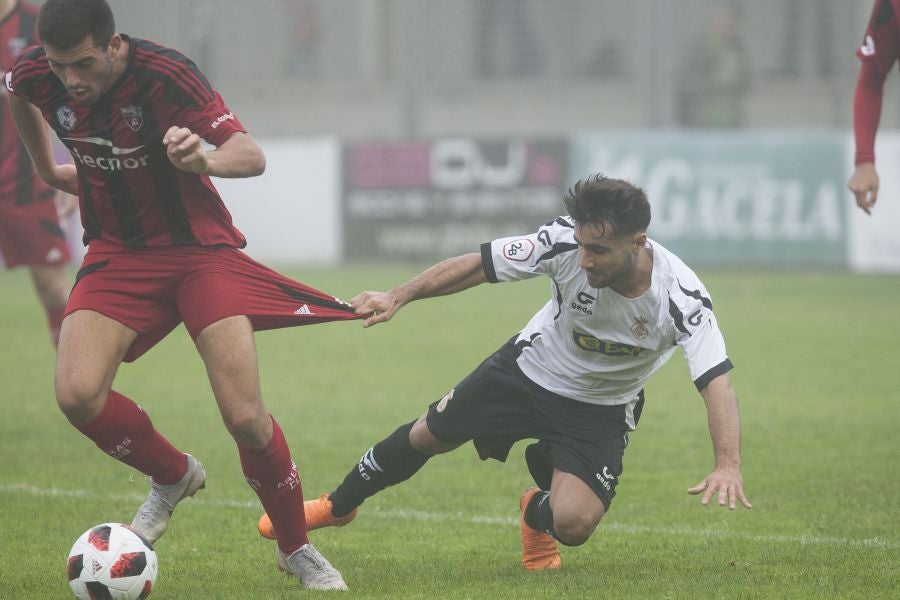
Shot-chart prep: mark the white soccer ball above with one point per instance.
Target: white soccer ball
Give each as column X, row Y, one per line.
column 111, row 561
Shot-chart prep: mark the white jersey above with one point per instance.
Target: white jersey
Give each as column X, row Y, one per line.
column 594, row 345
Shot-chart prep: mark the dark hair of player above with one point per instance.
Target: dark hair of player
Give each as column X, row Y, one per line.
column 602, row 201
column 63, row 24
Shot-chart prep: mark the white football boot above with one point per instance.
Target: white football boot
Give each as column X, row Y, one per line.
column 311, row 568
column 153, row 516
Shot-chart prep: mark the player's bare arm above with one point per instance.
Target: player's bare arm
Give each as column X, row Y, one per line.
column 33, row 131
column 725, row 430
column 864, row 185
column 868, row 99
column 446, row 277
column 239, row 156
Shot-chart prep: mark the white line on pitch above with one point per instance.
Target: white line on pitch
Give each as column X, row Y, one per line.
column 419, row 515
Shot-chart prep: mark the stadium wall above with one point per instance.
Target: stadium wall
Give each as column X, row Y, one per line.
column 760, row 199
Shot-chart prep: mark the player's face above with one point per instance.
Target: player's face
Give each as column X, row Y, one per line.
column 85, row 69
column 607, row 259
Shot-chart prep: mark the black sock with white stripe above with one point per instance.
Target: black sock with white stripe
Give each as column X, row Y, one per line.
column 388, row 462
column 538, row 514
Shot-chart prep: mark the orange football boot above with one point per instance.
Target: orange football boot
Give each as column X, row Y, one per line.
column 539, row 549
column 318, row 515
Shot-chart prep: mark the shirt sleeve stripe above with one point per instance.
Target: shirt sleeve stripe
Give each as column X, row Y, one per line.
column 487, row 263
column 720, row 369
column 200, row 93
column 695, row 294
column 558, row 248
column 176, row 76
column 181, row 62
column 185, row 67
column 29, row 69
column 677, row 316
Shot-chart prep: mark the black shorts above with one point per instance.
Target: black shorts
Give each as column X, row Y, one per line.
column 496, row 406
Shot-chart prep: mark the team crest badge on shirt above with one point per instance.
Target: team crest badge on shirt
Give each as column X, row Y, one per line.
column 16, row 45
column 639, row 328
column 66, row 117
column 134, row 116
column 518, row 250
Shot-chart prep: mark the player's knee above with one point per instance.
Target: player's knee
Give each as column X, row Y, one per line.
column 247, row 427
column 78, row 399
column 573, row 530
column 422, row 440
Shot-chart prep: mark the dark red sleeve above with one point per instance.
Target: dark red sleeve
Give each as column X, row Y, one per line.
column 867, row 100
column 186, row 99
column 213, row 121
column 877, row 55
column 30, row 68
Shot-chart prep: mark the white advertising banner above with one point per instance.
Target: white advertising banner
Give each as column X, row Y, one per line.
column 292, row 213
column 873, row 242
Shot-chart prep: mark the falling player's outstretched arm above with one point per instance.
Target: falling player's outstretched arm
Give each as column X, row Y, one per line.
column 447, row 277
column 725, row 430
column 238, row 156
column 33, row 131
column 867, row 106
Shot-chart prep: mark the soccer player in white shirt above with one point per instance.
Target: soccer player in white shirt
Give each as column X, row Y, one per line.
column 573, row 377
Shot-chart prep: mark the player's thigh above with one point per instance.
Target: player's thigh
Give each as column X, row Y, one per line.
column 492, row 406
column 134, row 287
column 91, row 347
column 587, row 441
column 228, row 350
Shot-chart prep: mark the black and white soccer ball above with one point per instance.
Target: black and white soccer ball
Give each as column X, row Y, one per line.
column 111, row 561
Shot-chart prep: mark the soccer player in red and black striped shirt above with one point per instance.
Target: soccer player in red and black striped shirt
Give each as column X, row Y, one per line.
column 30, row 232
column 161, row 250
column 878, row 54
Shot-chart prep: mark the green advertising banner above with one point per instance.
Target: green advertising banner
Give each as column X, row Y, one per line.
column 734, row 198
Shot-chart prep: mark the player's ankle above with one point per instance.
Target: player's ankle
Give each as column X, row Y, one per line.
column 340, row 508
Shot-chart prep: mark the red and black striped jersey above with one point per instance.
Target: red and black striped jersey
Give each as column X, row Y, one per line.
column 18, row 181
column 129, row 191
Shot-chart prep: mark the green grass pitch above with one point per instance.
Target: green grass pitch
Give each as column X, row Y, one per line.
column 817, row 372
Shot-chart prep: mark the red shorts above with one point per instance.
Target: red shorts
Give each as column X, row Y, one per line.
column 30, row 233
column 152, row 290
